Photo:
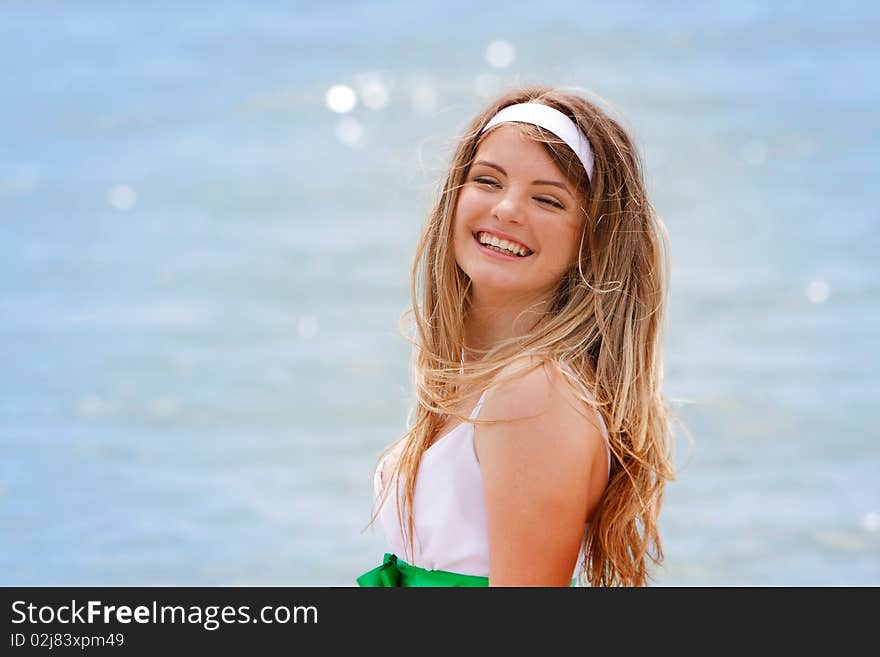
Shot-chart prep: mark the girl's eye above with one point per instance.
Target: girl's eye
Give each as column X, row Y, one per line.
column 550, row 201
column 491, row 182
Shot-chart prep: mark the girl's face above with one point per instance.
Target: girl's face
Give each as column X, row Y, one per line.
column 517, row 198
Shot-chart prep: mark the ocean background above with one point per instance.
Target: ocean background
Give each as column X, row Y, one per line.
column 208, row 213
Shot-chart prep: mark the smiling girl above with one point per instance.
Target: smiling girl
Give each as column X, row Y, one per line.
column 540, row 443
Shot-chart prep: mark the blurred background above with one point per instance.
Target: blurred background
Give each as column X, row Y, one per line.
column 208, row 213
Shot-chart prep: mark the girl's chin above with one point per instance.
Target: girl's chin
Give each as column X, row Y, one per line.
column 490, row 283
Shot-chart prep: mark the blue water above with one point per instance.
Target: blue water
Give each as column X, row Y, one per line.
column 200, row 281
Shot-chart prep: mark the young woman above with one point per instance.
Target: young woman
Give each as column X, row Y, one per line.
column 540, row 443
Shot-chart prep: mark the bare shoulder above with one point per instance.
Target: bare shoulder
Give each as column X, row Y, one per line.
column 544, row 425
column 532, row 390
column 543, row 471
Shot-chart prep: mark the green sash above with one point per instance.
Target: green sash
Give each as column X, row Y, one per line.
column 394, row 572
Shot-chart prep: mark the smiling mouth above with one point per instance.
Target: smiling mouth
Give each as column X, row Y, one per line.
column 499, row 250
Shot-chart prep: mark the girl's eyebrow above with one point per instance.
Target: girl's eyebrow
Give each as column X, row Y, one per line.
column 555, row 183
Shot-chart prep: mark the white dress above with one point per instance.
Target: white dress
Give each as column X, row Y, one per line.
column 449, row 509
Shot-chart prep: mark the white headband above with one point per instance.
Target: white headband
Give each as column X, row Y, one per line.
column 549, row 119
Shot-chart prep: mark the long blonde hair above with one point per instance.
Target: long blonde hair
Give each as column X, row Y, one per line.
column 605, row 323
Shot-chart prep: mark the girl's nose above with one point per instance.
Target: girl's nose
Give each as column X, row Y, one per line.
column 508, row 208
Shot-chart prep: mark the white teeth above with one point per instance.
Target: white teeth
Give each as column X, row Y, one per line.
column 486, row 238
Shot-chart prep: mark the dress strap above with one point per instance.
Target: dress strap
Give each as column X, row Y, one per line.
column 479, row 406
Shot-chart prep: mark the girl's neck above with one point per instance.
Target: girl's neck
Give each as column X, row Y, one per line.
column 489, row 322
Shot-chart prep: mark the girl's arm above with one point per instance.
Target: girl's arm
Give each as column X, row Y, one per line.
column 542, row 473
